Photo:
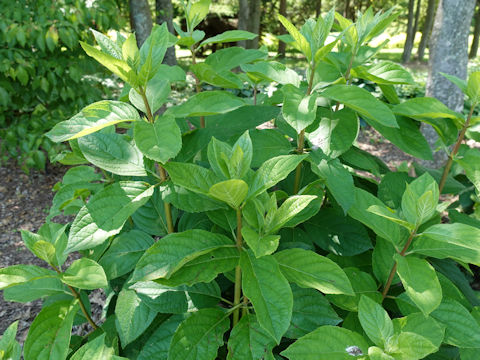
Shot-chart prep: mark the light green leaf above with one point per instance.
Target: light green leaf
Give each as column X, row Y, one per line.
column 107, row 45
column 269, row 292
column 10, row 349
column 461, row 328
column 470, row 162
column 361, row 101
column 310, row 311
column 425, row 107
column 124, row 252
column 18, row 274
column 375, row 353
column 229, row 58
column 95, row 349
column 106, row 213
column 260, row 245
column 173, row 251
column 384, row 73
column 196, row 12
column 271, row 71
column 266, row 142
column 457, row 241
column 85, row 274
column 327, row 342
column 375, row 321
column 130, row 52
column 152, row 52
column 473, row 87
column 273, row 171
column 210, row 75
column 248, row 340
column 133, row 316
column 410, row 346
column 391, row 215
column 111, row 152
column 159, row 141
column 49, row 334
column 192, row 177
column 301, row 42
column 420, row 199
column 310, row 270
column 229, row 36
column 289, row 208
column 462, row 84
column 424, row 326
column 207, row 103
column 92, row 118
column 233, row 192
column 298, row 110
column 199, row 336
column 156, row 92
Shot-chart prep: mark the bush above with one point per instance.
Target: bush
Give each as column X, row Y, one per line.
column 44, row 75
column 230, row 242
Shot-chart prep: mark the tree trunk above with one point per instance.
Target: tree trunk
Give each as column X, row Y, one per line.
column 427, row 29
column 318, row 9
column 164, row 12
column 243, row 18
column 407, row 48
column 346, row 9
column 254, row 22
column 140, row 20
column 448, row 54
column 281, row 45
column 476, row 35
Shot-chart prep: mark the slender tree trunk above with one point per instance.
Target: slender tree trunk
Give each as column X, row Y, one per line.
column 427, row 29
column 346, row 9
column 411, row 29
column 318, row 9
column 164, row 12
column 140, row 20
column 281, row 45
column 476, row 35
column 243, row 18
column 254, row 22
column 448, row 54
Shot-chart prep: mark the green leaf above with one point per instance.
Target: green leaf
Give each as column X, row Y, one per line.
column 338, row 179
column 300, row 42
column 410, row 346
column 18, row 274
column 192, row 177
column 327, row 342
column 233, row 192
column 93, row 118
column 111, row 152
column 336, row 131
column 362, row 160
column 152, row 52
column 204, row 268
column 210, row 75
column 229, row 58
column 248, row 340
column 457, row 241
column 199, row 336
column 10, row 349
column 375, row 353
column 107, row 45
column 424, row 326
column 268, row 142
column 425, row 107
column 290, row 207
column 130, row 52
column 273, row 171
column 159, row 141
column 269, row 292
column 196, row 12
column 384, row 73
column 95, row 349
column 375, row 321
column 260, row 245
column 420, row 199
column 207, row 103
column 310, row 270
column 106, row 213
column 85, row 274
column 299, row 110
column 470, row 162
column 229, row 36
column 49, row 334
column 133, row 316
column 156, row 92
column 339, row 234
column 462, row 84
column 361, row 101
column 310, row 311
column 124, row 252
column 391, row 215
column 382, row 260
column 173, row 251
column 473, row 87
column 158, row 344
column 461, row 328
column 270, row 71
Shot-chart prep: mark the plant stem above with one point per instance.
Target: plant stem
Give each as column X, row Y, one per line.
column 460, row 138
column 255, row 95
column 238, row 271
column 347, row 76
column 198, row 89
column 76, row 295
column 301, row 136
column 163, row 174
column 394, row 267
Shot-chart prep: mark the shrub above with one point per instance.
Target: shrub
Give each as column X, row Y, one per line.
column 231, row 242
column 43, row 71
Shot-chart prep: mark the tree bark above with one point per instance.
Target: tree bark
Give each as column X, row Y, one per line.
column 346, row 9
column 318, row 9
column 164, row 12
column 427, row 29
column 448, row 54
column 140, row 20
column 281, row 45
column 243, row 18
column 411, row 29
column 249, row 12
column 476, row 35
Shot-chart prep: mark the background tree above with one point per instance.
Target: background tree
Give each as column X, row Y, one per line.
column 164, row 13
column 411, row 29
column 281, row 30
column 476, row 34
column 249, row 12
column 140, row 20
column 426, row 29
column 448, row 54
